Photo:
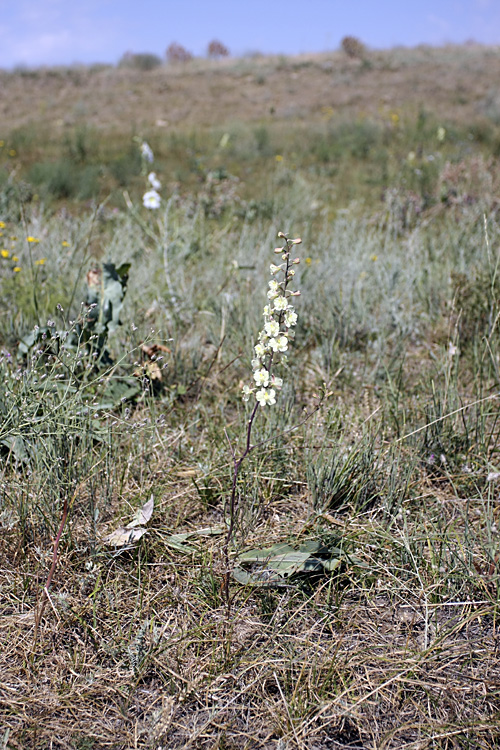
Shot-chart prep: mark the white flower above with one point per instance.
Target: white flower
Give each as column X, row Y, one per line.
column 280, row 303
column 261, row 377
column 282, row 344
column 274, row 268
column 266, row 397
column 267, row 311
column 276, row 382
column 290, row 318
column 151, row 199
column 246, row 392
column 279, row 344
column 272, row 328
column 274, row 289
column 256, row 363
column 260, row 350
column 146, row 152
column 154, row 181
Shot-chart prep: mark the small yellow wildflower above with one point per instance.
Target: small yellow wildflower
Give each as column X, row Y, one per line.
column 32, row 239
column 308, row 261
column 16, row 269
column 2, row 225
column 2, row 144
column 65, row 244
column 15, row 258
column 4, row 253
column 278, row 157
column 40, row 261
column 374, row 257
column 12, row 152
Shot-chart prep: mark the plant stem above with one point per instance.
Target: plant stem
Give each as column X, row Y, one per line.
column 232, row 503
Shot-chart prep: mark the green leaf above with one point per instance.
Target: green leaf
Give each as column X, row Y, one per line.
column 16, row 446
column 275, row 564
column 179, row 541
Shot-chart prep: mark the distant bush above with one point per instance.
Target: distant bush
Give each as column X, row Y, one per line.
column 176, row 53
column 216, row 49
column 140, row 61
column 353, row 47
column 64, row 179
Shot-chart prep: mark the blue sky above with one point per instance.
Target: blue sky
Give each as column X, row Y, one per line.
column 47, row 32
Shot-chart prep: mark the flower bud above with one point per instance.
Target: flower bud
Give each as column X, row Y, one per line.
column 296, row 242
column 281, row 235
column 296, row 261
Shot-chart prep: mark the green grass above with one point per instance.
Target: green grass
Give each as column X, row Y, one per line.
column 398, row 320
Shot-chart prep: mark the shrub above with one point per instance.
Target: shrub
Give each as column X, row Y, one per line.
column 353, row 47
column 141, row 61
column 176, row 53
column 216, row 49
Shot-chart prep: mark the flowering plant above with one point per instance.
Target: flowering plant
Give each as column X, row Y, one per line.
column 272, row 344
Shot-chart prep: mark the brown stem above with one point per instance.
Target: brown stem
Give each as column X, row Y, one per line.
column 232, row 503
column 52, row 570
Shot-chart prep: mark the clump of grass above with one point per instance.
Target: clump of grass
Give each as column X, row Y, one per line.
column 143, row 61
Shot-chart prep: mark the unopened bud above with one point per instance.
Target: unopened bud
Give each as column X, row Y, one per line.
column 296, row 261
column 296, row 242
column 278, row 250
column 281, row 235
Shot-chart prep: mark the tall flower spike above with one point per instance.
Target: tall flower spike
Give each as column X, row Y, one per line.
column 274, row 339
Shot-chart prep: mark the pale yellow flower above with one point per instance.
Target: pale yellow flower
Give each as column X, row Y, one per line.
column 32, row 239
column 40, row 262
